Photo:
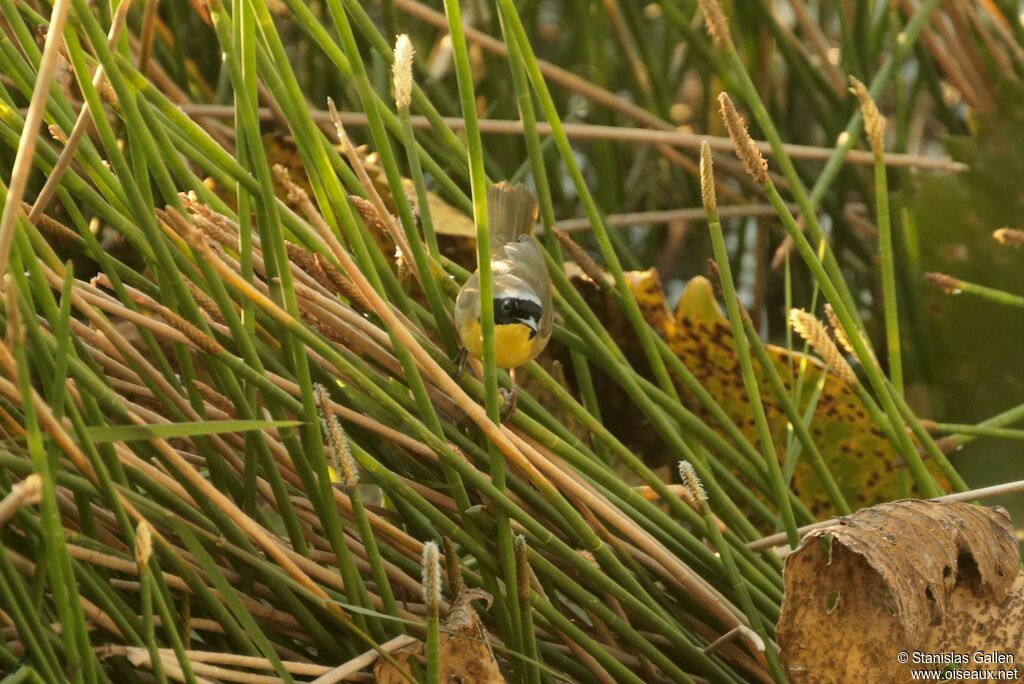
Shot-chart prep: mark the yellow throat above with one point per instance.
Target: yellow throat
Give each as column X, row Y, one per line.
column 512, row 343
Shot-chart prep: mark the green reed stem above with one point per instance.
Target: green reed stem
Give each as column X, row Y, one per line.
column 515, row 33
column 732, row 306
column 729, row 563
column 478, row 185
column 888, row 264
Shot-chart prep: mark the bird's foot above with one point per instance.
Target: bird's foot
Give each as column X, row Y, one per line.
column 508, row 406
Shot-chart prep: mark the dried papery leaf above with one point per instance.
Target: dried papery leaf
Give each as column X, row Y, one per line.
column 908, row 576
column 466, row 655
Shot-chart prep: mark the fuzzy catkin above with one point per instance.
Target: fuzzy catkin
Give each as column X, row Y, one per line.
column 143, row 543
column 746, row 151
column 707, row 179
column 814, row 332
column 401, row 70
column 692, row 482
column 716, row 21
column 874, row 122
column 431, row 576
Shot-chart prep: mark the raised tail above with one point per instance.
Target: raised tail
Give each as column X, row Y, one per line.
column 512, row 211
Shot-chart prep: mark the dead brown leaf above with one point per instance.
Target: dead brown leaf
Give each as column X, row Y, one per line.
column 466, row 655
column 938, row 582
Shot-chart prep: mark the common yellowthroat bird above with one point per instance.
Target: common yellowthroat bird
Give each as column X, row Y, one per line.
column 523, row 312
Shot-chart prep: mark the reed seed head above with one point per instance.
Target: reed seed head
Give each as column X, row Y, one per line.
column 343, row 285
column 947, row 284
column 431, row 576
column 58, row 134
column 341, row 454
column 747, row 152
column 198, row 337
column 707, row 179
column 814, row 332
column 715, row 278
column 874, row 122
column 143, row 543
column 401, row 69
column 837, row 330
column 213, row 397
column 689, row 477
column 716, row 21
column 52, row 226
column 452, row 567
column 522, row 568
column 1009, row 236
column 338, row 449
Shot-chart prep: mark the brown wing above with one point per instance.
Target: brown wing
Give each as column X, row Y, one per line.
column 511, row 212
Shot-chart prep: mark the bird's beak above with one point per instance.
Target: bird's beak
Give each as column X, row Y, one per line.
column 530, row 323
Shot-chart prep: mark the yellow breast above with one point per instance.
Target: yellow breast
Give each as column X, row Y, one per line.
column 512, row 343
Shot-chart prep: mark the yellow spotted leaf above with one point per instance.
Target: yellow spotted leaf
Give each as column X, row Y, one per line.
column 862, row 460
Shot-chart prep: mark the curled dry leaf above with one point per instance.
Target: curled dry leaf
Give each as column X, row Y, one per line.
column 466, row 655
column 937, row 582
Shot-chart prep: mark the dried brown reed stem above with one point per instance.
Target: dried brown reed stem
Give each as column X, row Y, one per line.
column 389, row 221
column 82, row 122
column 28, row 492
column 663, row 138
column 53, row 227
column 1004, row 489
column 581, row 257
column 23, row 158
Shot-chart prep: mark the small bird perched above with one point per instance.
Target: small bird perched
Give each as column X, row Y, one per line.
column 523, row 312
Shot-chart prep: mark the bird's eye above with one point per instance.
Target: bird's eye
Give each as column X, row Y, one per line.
column 508, row 305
